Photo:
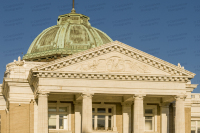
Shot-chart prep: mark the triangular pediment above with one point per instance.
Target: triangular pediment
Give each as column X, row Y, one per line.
column 114, row 57
column 113, row 62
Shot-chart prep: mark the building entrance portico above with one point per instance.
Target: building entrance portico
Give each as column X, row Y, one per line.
column 107, row 101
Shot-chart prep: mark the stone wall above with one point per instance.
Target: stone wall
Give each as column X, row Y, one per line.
column 3, row 121
column 21, row 118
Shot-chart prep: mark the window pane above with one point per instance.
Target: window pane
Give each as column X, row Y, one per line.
column 101, row 122
column 148, row 117
column 52, row 121
column 101, row 110
column 198, row 123
column 109, row 122
column 198, row 130
column 52, row 109
column 148, row 124
column 62, row 109
column 148, row 111
column 93, row 110
column 193, row 131
column 193, row 123
column 93, row 122
column 62, row 121
column 109, row 110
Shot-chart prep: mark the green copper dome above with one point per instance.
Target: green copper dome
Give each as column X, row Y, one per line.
column 73, row 33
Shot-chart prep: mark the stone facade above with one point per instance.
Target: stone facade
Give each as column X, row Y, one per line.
column 113, row 88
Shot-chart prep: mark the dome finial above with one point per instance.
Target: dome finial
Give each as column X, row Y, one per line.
column 73, row 9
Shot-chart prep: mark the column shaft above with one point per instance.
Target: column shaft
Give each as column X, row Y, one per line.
column 138, row 114
column 43, row 113
column 126, row 108
column 78, row 109
column 180, row 115
column 87, row 113
column 164, row 119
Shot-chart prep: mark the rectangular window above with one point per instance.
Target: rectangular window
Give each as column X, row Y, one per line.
column 109, row 122
column 195, row 126
column 101, row 110
column 102, row 117
column 148, row 122
column 148, row 119
column 58, row 116
column 93, row 122
column 101, row 122
column 52, row 121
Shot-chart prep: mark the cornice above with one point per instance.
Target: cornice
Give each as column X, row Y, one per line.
column 118, row 47
column 103, row 76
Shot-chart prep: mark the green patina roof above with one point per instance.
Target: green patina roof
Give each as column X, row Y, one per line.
column 73, row 33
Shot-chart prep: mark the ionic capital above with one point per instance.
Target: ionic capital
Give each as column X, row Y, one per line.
column 180, row 97
column 139, row 96
column 43, row 94
column 87, row 95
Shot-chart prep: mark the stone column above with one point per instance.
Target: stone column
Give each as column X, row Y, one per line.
column 180, row 114
column 43, row 113
column 87, row 113
column 126, row 111
column 138, row 114
column 165, row 118
column 77, row 108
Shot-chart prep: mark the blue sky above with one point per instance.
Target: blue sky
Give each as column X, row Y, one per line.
column 169, row 30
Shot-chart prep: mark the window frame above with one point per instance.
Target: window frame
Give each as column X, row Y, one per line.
column 113, row 117
column 57, row 105
column 196, row 125
column 154, row 117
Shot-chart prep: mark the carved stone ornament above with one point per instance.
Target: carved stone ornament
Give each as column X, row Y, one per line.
column 113, row 64
column 139, row 96
column 87, row 95
column 180, row 97
column 19, row 62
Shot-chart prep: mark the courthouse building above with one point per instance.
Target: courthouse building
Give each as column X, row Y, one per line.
column 76, row 79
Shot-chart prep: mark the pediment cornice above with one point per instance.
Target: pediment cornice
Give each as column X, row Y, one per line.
column 118, row 47
column 102, row 76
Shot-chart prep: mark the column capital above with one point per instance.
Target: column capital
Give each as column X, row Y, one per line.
column 139, row 96
column 180, row 97
column 87, row 95
column 43, row 94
